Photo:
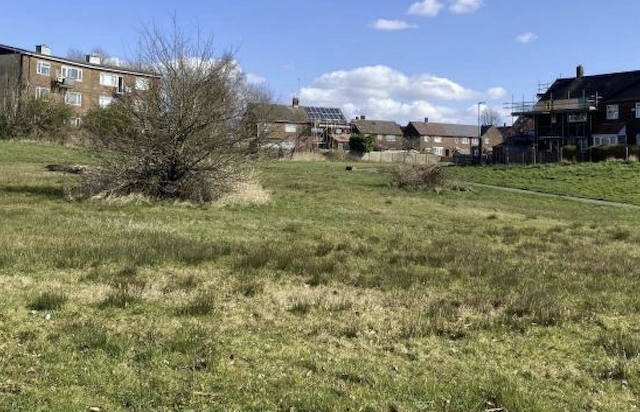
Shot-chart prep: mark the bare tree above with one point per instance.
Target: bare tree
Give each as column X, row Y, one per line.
column 182, row 137
column 490, row 117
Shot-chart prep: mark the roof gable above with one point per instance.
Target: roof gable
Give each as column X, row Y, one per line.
column 445, row 129
column 377, row 127
column 611, row 86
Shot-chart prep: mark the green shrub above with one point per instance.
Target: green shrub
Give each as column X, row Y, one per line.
column 362, row 143
column 35, row 118
column 569, row 152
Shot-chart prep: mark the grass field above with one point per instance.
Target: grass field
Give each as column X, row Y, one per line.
column 612, row 180
column 340, row 293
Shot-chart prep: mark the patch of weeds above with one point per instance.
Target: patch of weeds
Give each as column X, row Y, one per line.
column 126, row 288
column 301, row 307
column 618, row 371
column 621, row 234
column 249, row 285
column 254, row 258
column 620, row 343
column 185, row 283
column 323, row 249
column 202, row 305
column 354, row 378
column 48, row 301
column 93, row 339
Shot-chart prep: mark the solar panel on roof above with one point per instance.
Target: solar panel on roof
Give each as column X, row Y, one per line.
column 326, row 114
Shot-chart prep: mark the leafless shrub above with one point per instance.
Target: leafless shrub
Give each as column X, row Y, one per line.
column 183, row 137
column 419, row 177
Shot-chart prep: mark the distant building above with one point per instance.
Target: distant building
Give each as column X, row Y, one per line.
column 581, row 111
column 299, row 127
column 388, row 135
column 82, row 85
column 445, row 139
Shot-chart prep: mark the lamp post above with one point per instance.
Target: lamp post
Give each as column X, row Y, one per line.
column 480, row 134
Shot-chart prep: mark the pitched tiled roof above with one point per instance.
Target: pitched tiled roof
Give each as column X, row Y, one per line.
column 281, row 113
column 445, row 129
column 377, row 127
column 4, row 49
column 611, row 86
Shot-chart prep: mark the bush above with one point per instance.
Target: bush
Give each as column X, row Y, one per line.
column 361, row 143
column 602, row 153
column 419, row 177
column 35, row 118
column 569, row 152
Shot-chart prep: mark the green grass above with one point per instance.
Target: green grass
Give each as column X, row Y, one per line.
column 341, row 293
column 611, row 180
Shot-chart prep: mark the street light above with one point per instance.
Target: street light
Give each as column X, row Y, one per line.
column 480, row 134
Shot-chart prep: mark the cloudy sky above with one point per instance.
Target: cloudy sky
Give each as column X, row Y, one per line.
column 386, row 59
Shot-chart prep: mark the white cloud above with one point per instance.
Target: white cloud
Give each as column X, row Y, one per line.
column 465, row 6
column 527, row 37
column 384, row 24
column 426, row 8
column 255, row 79
column 496, row 93
column 381, row 92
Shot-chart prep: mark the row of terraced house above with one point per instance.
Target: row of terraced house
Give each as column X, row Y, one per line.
column 309, row 127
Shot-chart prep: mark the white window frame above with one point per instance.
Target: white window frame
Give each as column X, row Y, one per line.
column 390, row 138
column 42, row 92
column 426, row 139
column 108, row 79
column 438, row 151
column 474, row 142
column 142, row 83
column 43, row 68
column 73, row 98
column 437, row 139
column 465, row 140
column 67, row 71
column 637, row 110
column 613, row 112
column 290, row 128
column 104, row 101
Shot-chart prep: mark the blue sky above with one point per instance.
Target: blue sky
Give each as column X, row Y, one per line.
column 386, row 59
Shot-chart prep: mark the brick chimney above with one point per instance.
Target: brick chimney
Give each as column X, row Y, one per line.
column 579, row 71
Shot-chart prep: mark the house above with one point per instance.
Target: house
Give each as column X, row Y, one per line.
column 82, row 85
column 445, row 139
column 586, row 111
column 388, row 135
column 302, row 127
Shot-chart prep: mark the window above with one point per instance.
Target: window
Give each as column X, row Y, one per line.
column 290, row 128
column 437, row 139
column 142, row 83
column 576, row 117
column 438, row 151
column 104, row 101
column 390, row 138
column 426, row 139
column 72, row 73
column 73, row 98
column 108, row 80
column 465, row 140
column 612, row 112
column 637, row 110
column 43, row 68
column 42, row 92
column 474, row 142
